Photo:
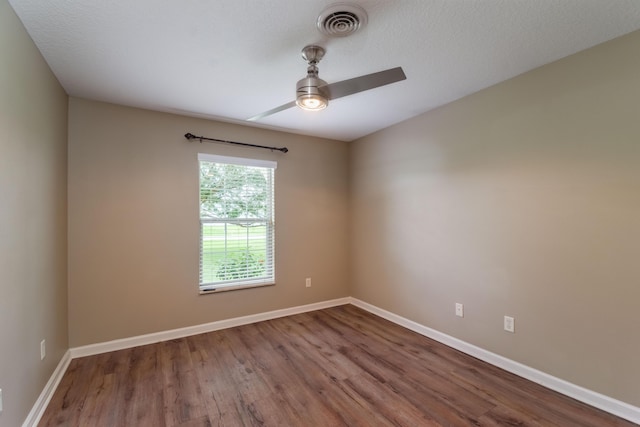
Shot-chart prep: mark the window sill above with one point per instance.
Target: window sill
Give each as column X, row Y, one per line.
column 225, row 288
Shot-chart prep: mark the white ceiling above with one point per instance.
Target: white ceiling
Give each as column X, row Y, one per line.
column 232, row 59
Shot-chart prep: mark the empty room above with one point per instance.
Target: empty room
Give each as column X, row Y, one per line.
column 320, row 213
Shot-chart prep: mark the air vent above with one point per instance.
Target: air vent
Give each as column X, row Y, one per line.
column 341, row 20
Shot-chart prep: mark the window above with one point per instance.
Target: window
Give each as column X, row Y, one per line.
column 236, row 222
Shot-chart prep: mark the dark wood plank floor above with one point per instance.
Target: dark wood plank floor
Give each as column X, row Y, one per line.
column 336, row 367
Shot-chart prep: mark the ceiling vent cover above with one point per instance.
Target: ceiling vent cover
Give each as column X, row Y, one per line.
column 341, row 20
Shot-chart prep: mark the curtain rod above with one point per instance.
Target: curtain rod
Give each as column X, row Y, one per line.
column 191, row 136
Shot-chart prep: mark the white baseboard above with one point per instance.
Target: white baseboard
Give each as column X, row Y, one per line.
column 47, row 392
column 597, row 400
column 120, row 344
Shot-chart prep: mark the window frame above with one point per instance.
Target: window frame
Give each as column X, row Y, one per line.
column 269, row 221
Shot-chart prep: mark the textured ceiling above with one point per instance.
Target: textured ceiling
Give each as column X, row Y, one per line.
column 232, row 59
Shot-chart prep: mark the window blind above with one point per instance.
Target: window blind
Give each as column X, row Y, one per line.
column 237, row 225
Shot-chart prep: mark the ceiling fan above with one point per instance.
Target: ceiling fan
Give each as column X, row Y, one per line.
column 313, row 93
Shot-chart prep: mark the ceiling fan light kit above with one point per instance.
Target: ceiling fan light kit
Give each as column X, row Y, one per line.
column 309, row 97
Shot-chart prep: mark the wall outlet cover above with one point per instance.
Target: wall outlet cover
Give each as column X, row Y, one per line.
column 509, row 324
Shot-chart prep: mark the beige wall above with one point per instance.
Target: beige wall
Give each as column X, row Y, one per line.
column 521, row 200
column 133, row 222
column 33, row 280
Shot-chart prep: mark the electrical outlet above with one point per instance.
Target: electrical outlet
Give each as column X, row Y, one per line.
column 308, row 282
column 43, row 349
column 509, row 324
column 459, row 310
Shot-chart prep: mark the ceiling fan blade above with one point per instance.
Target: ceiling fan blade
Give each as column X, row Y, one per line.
column 362, row 83
column 272, row 111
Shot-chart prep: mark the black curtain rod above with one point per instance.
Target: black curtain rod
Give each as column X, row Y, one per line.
column 191, row 136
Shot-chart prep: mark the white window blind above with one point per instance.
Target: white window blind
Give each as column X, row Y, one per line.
column 236, row 222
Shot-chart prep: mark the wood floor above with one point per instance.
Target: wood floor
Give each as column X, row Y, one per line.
column 336, row 367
